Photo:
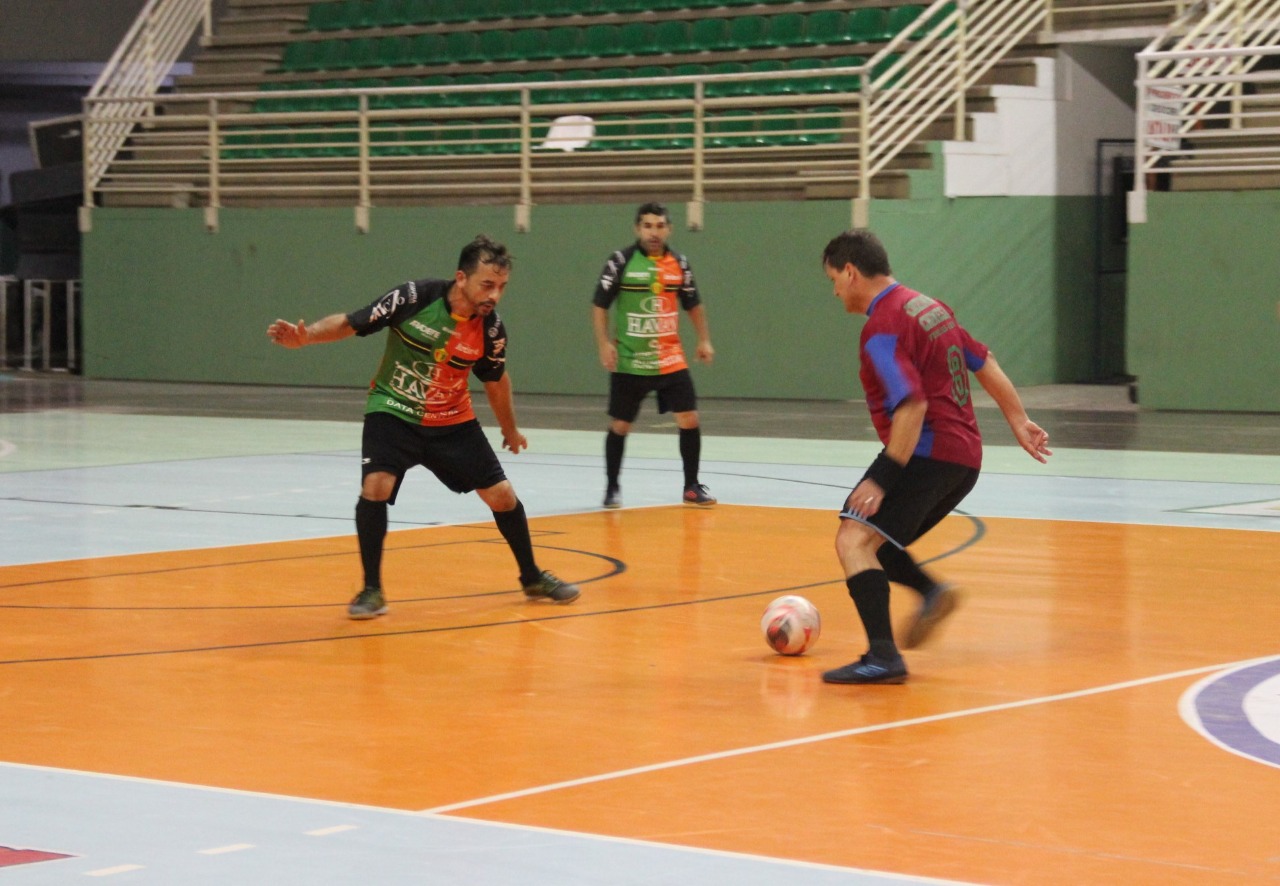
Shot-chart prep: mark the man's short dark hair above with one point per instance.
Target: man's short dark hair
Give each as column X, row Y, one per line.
column 652, row 208
column 860, row 248
column 483, row 251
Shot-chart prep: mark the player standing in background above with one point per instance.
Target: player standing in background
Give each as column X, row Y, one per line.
column 915, row 363
column 648, row 284
column 419, row 408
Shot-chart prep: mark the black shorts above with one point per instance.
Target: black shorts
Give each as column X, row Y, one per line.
column 927, row 491
column 459, row 455
column 626, row 391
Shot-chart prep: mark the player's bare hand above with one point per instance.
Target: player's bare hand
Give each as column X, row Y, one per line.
column 706, row 353
column 286, row 334
column 609, row 356
column 514, row 441
column 865, row 499
column 1035, row 440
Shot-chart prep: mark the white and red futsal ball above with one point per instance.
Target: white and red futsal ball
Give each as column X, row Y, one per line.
column 791, row 625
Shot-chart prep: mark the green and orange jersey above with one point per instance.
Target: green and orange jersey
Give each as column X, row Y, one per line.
column 430, row 353
column 648, row 292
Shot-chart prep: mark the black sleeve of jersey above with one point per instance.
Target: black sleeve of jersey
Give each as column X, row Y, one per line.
column 689, row 295
column 610, row 279
column 387, row 309
column 493, row 364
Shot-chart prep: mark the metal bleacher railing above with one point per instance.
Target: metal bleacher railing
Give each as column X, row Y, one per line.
column 808, row 127
column 1208, row 111
column 122, row 96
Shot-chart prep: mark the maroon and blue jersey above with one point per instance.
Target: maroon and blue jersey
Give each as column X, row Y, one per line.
column 913, row 348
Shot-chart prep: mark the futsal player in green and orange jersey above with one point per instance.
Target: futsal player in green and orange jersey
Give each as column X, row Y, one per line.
column 647, row 284
column 419, row 407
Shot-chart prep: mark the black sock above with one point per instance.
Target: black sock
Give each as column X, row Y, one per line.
column 614, row 444
column 690, row 453
column 514, row 526
column 870, row 592
column 371, row 530
column 901, row 568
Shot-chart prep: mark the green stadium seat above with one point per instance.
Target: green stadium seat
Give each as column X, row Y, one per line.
column 636, row 92
column 427, row 49
column 462, row 99
column 671, row 36
column 730, row 129
column 417, row 12
column 299, row 56
column 821, row 126
column 785, row 30
column 845, row 82
column 564, row 42
column 869, row 25
column 330, row 55
column 716, row 89
column 385, row 140
column 529, row 44
column 558, row 8
column 326, row 16
column 826, row 28
column 462, row 46
column 710, row 35
column 388, row 13
column 613, row 133
column 901, row 18
column 358, row 53
column 637, row 38
column 495, row 45
column 765, row 87
column 391, row 52
column 497, row 136
column 652, row 132
column 337, row 102
column 600, row 40
column 747, row 31
column 803, row 85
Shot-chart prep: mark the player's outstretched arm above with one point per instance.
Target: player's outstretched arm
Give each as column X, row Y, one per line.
column 296, row 335
column 1030, row 436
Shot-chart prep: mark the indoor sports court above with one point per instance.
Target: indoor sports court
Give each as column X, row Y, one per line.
column 185, row 701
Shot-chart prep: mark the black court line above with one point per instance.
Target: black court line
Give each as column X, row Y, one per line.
column 979, row 531
column 544, row 533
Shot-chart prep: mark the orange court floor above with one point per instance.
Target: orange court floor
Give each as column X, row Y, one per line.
column 1039, row 739
column 184, row 699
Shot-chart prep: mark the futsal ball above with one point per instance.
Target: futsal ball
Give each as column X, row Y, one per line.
column 791, row 625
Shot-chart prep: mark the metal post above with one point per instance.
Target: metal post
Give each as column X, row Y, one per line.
column 524, row 209
column 1136, row 200
column 961, row 73
column 73, row 288
column 215, row 190
column 4, row 324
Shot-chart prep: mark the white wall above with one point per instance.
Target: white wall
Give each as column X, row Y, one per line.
column 1041, row 140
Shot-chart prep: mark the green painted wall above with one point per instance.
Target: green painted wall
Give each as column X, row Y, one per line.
column 1204, row 296
column 166, row 300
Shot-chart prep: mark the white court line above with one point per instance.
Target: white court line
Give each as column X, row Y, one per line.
column 118, row 869
column 336, row 829
column 829, row 736
column 222, row 850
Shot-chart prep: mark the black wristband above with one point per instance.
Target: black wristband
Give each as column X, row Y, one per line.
column 884, row 472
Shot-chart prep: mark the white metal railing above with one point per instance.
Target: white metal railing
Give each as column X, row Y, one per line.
column 369, row 151
column 919, row 76
column 135, row 72
column 1076, row 16
column 1209, row 96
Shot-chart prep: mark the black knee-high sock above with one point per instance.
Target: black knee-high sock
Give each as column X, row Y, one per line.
column 614, row 444
column 900, row 567
column 371, row 530
column 870, row 592
column 690, row 453
column 514, row 526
